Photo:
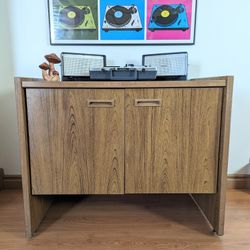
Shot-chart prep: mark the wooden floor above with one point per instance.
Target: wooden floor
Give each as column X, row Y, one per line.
column 138, row 223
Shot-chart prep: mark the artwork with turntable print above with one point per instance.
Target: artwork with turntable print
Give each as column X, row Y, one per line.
column 122, row 20
column 169, row 20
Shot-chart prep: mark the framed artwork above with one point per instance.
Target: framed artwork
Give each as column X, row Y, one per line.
column 114, row 22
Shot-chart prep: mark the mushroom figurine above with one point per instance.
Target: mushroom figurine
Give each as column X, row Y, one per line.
column 49, row 72
column 45, row 67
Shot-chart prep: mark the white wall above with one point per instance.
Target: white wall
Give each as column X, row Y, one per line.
column 222, row 48
column 8, row 124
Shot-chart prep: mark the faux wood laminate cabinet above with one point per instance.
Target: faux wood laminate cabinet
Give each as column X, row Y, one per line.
column 124, row 138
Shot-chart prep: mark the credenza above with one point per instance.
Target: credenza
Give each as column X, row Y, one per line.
column 144, row 137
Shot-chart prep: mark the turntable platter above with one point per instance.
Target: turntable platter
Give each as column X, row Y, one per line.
column 118, row 16
column 71, row 16
column 165, row 15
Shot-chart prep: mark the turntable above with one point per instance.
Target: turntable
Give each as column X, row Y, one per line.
column 169, row 17
column 127, row 73
column 122, row 18
column 76, row 18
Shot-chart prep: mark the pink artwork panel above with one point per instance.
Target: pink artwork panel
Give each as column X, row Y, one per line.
column 156, row 32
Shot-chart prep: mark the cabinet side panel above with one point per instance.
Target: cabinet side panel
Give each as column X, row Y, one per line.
column 213, row 206
column 35, row 207
column 172, row 147
column 76, row 148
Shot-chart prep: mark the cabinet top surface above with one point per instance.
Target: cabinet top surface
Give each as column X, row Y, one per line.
column 125, row 84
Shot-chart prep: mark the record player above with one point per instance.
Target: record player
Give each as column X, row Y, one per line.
column 127, row 73
column 76, row 18
column 169, row 17
column 120, row 17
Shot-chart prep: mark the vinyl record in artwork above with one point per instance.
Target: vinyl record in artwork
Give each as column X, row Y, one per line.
column 76, row 17
column 168, row 17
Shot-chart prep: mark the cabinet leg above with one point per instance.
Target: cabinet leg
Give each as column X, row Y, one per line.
column 213, row 208
column 35, row 210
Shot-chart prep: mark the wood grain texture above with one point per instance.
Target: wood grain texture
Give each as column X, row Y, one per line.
column 125, row 84
column 234, row 181
column 35, row 207
column 64, row 154
column 140, row 222
column 76, row 149
column 213, row 206
column 173, row 148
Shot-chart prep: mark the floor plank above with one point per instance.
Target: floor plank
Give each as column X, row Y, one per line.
column 132, row 222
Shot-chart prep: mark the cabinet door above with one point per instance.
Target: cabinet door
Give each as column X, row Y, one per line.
column 76, row 140
column 172, row 140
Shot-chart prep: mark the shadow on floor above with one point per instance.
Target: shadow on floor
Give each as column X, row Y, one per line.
column 178, row 211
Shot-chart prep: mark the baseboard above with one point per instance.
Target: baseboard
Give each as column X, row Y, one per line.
column 234, row 181
column 1, row 179
column 12, row 182
column 238, row 181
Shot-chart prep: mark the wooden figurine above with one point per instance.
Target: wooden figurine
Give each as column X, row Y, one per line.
column 49, row 72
